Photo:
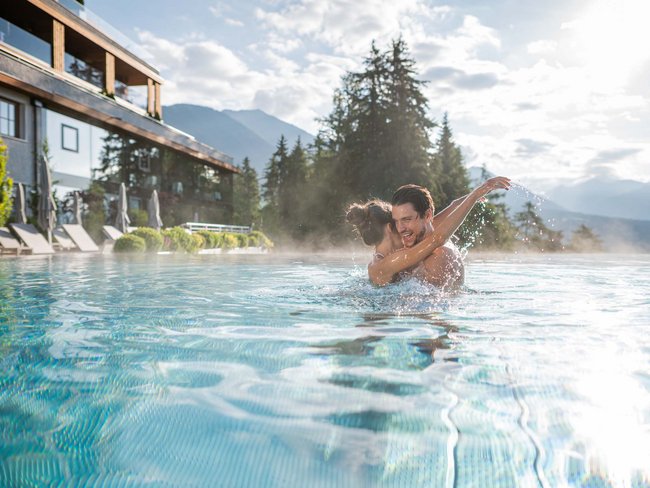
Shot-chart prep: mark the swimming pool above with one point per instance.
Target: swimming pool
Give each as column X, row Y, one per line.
column 294, row 371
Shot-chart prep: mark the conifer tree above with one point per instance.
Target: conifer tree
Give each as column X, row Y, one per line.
column 584, row 239
column 292, row 191
column 452, row 177
column 375, row 139
column 488, row 225
column 275, row 171
column 246, row 195
column 534, row 233
column 6, row 186
column 407, row 155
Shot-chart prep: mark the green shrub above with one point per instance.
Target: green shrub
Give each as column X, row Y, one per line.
column 152, row 238
column 130, row 243
column 218, row 238
column 242, row 240
column 211, row 238
column 6, row 185
column 199, row 242
column 262, row 240
column 229, row 241
column 178, row 240
column 253, row 240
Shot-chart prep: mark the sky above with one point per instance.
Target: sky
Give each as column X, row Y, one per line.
column 548, row 93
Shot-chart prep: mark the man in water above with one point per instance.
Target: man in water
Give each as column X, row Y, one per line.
column 412, row 210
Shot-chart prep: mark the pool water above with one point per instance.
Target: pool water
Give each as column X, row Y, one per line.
column 278, row 371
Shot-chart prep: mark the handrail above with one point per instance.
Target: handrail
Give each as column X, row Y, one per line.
column 195, row 226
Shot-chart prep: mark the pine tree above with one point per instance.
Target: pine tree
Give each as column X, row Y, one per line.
column 585, row 240
column 534, row 233
column 246, row 198
column 488, row 226
column 293, row 192
column 452, row 177
column 375, row 139
column 275, row 171
column 407, row 156
column 6, row 186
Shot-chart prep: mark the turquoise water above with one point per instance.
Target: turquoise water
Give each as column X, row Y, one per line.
column 294, row 371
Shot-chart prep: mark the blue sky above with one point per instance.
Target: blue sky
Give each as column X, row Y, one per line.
column 545, row 92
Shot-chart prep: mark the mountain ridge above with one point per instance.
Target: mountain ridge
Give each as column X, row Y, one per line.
column 254, row 134
column 617, row 233
column 245, row 133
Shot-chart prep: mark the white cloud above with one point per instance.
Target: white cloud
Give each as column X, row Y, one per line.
column 220, row 10
column 545, row 118
column 542, row 46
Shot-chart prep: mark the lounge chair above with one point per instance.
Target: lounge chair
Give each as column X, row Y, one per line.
column 63, row 241
column 112, row 233
column 9, row 244
column 32, row 238
column 80, row 237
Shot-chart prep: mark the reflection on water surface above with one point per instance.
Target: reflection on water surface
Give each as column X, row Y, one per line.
column 179, row 370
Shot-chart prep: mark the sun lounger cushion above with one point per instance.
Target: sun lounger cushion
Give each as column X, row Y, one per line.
column 80, row 237
column 111, row 232
column 32, row 238
column 62, row 238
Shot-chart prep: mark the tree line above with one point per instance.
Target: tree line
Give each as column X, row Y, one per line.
column 376, row 138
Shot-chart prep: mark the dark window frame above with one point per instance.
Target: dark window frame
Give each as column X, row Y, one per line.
column 12, row 123
column 63, row 144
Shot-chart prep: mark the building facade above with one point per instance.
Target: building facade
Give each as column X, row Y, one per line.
column 78, row 94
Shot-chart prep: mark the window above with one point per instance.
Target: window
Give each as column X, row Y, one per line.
column 144, row 162
column 9, row 118
column 69, row 138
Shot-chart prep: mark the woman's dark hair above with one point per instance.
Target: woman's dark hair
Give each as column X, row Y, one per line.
column 370, row 219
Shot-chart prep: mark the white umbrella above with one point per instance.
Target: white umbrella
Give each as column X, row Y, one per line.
column 76, row 209
column 153, row 208
column 122, row 220
column 19, row 202
column 46, row 203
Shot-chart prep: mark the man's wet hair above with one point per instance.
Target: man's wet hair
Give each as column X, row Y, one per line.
column 416, row 195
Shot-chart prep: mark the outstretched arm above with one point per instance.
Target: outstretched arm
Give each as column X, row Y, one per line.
column 443, row 214
column 381, row 272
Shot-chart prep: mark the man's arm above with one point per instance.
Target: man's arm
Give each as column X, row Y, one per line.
column 442, row 215
column 381, row 272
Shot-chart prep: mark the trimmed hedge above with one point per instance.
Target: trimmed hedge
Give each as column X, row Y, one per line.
column 260, row 238
column 130, row 243
column 242, row 239
column 178, row 240
column 211, row 239
column 199, row 242
column 152, row 238
column 229, row 241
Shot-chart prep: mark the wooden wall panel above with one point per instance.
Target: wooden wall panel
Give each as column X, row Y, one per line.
column 109, row 74
column 151, row 97
column 58, row 45
column 158, row 104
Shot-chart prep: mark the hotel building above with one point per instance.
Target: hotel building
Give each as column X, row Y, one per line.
column 75, row 89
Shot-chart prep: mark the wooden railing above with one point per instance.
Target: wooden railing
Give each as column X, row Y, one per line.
column 194, row 226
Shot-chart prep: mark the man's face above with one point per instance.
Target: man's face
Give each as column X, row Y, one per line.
column 410, row 226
